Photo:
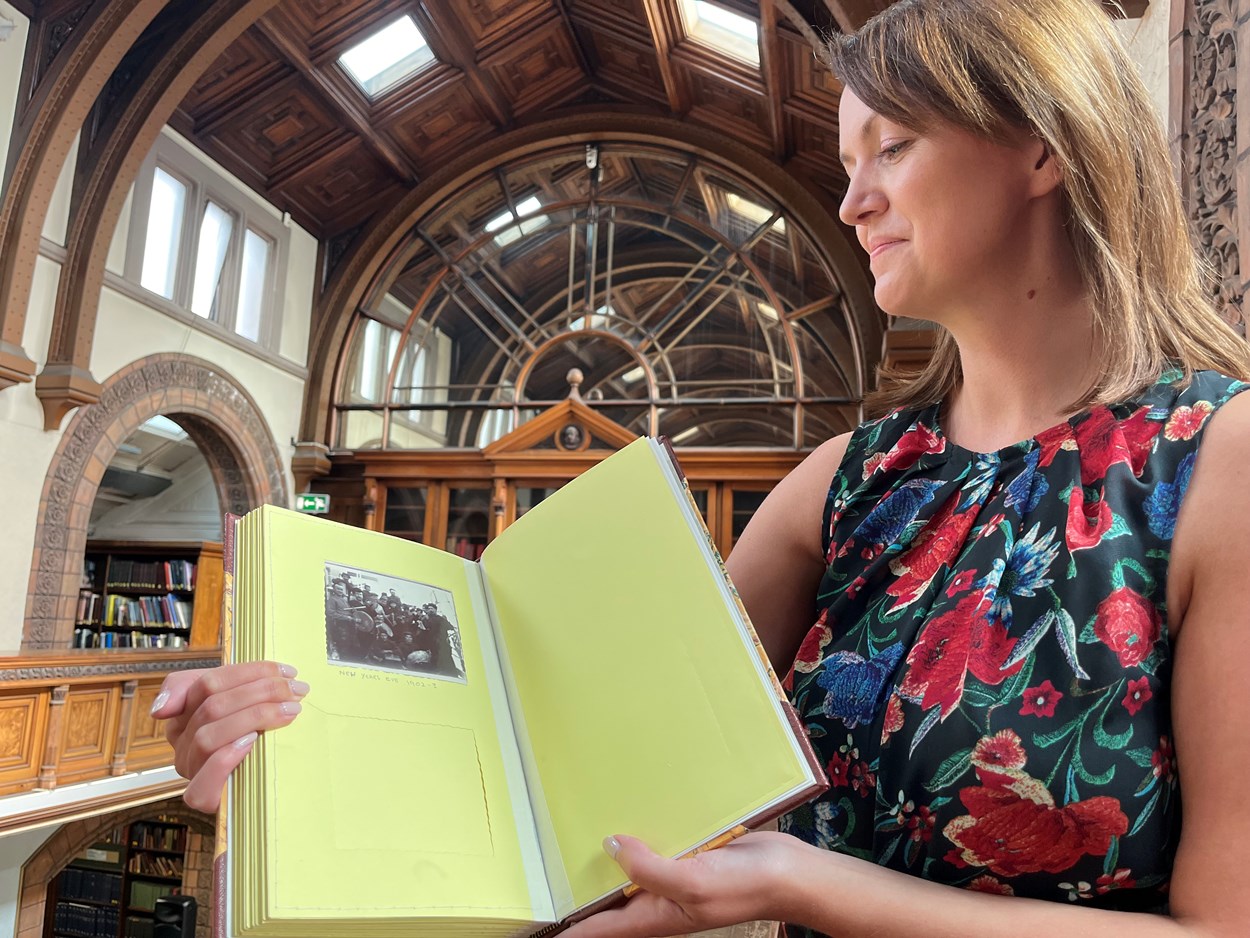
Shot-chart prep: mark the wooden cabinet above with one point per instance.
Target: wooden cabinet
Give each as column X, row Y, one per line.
column 150, row 595
column 459, row 500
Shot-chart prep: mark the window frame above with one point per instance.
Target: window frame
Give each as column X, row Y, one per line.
column 205, row 185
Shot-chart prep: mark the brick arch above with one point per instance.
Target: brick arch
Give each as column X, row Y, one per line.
column 59, row 849
column 218, row 415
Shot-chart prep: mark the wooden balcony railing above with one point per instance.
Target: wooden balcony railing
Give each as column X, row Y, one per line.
column 74, row 716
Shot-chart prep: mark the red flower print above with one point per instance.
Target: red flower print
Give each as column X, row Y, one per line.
column 1040, row 701
column 1120, row 879
column 862, row 780
column 1137, row 695
column 839, row 771
column 1128, row 624
column 1087, row 523
column 920, row 825
column 1163, row 762
column 852, row 591
column 913, row 444
column 962, row 581
column 949, row 647
column 1104, row 441
column 987, row 883
column 990, row 527
column 893, row 718
column 1002, row 750
column 1013, row 827
column 936, row 546
column 1185, row 422
column 809, row 654
column 1053, row 440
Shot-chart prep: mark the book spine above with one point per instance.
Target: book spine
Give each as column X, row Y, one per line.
column 792, row 716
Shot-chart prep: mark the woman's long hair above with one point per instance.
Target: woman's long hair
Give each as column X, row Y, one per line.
column 1057, row 69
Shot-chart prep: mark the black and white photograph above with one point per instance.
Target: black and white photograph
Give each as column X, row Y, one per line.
column 390, row 624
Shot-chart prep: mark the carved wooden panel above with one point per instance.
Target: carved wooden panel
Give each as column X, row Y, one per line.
column 627, row 63
column 344, row 183
column 285, row 125
column 810, row 88
column 322, row 25
column 488, row 21
column 816, row 149
column 537, row 68
column 23, row 721
column 147, row 746
column 89, row 732
column 249, row 64
column 626, row 19
column 724, row 107
column 432, row 127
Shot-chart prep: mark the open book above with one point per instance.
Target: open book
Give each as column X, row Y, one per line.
column 475, row 729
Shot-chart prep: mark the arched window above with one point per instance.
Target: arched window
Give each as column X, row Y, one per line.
column 693, row 302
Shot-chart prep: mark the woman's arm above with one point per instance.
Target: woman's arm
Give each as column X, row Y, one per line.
column 773, row 876
column 777, row 563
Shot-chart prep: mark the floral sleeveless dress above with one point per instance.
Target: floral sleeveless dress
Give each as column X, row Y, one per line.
column 988, row 679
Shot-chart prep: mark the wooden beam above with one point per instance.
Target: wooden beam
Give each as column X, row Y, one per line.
column 662, row 38
column 451, row 45
column 770, row 68
column 341, row 103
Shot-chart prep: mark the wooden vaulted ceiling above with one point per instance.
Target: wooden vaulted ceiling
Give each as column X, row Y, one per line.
column 278, row 111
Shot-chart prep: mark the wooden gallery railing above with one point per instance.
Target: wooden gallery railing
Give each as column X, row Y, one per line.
column 74, row 716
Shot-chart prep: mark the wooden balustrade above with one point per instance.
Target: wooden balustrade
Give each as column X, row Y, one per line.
column 73, row 716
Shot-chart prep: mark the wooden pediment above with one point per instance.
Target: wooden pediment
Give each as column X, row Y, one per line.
column 569, row 427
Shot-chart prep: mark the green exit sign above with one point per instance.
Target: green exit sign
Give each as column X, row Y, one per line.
column 313, row 503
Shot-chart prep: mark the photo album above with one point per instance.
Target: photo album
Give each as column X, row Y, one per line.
column 475, row 729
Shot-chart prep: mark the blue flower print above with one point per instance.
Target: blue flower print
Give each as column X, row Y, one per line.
column 1024, row 572
column 1164, row 503
column 856, row 687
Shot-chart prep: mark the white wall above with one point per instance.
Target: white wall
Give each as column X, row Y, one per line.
column 127, row 329
column 15, row 850
column 1147, row 41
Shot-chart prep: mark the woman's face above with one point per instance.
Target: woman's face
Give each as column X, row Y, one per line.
column 941, row 214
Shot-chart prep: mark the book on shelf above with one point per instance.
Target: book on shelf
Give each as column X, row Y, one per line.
column 127, row 574
column 475, row 729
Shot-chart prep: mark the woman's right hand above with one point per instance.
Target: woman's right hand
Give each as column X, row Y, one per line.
column 214, row 716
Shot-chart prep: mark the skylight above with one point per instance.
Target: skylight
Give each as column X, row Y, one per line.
column 387, row 57
column 753, row 211
column 722, row 29
column 514, row 226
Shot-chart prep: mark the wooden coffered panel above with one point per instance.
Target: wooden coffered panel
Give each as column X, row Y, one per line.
column 321, row 25
column 247, row 69
column 623, row 19
column 346, row 184
column 720, row 105
column 489, row 22
column 816, row 150
column 434, row 127
column 626, row 62
column 538, row 70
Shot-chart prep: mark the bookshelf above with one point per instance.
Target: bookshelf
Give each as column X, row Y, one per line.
column 149, row 595
column 110, row 890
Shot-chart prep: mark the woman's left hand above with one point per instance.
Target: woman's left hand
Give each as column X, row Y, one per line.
column 744, row 881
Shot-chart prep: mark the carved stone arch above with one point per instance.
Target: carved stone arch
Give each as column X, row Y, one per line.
column 217, row 413
column 371, row 251
column 58, row 850
column 42, row 137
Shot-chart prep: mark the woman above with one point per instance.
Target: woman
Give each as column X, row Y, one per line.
column 1020, row 637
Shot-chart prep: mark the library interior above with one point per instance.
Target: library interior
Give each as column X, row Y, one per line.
column 411, row 267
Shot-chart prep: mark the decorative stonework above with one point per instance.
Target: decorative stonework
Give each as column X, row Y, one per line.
column 99, row 670
column 217, row 414
column 1210, row 151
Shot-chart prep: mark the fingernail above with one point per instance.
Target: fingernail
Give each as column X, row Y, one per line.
column 161, row 699
column 299, row 688
column 286, row 670
column 244, row 741
column 291, row 707
column 611, row 846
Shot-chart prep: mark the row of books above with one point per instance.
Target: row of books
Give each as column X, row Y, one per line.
column 150, row 865
column 126, row 574
column 144, row 895
column 96, row 885
column 86, row 637
column 148, row 836
column 463, row 547
column 166, row 611
column 88, row 921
